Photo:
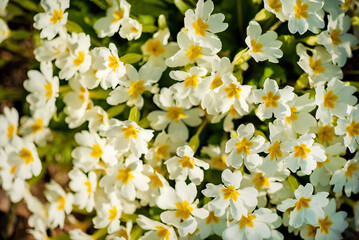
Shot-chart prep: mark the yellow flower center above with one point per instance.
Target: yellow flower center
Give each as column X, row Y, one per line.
column 137, row 88
column 293, row 115
column 184, row 209
column 334, row 36
column 191, row 81
column 353, row 129
column 155, row 47
column 80, row 58
column 243, row 146
column 275, row 151
column 219, row 162
column 96, row 151
column 37, row 126
column 302, row 202
column 61, row 200
column 194, row 52
column 155, row 180
column 316, row 66
column 82, row 94
column 312, row 231
column 232, row 111
column 329, row 99
column 134, row 29
column 216, row 82
column 162, row 151
column 246, row 221
column 256, row 47
column 300, row 10
column 186, row 162
column 125, row 175
column 200, row 27
column 350, row 170
column 56, row 16
column 260, row 181
column 321, row 164
column 163, row 232
column 301, row 151
column 326, row 134
column 112, row 213
column 276, row 5
column 324, row 224
column 175, row 113
column 212, row 218
column 88, row 186
column 26, row 155
column 101, row 117
column 48, row 89
column 271, row 100
column 13, row 169
column 113, row 63
column 130, row 132
column 230, row 192
column 233, row 91
column 117, row 15
column 10, row 131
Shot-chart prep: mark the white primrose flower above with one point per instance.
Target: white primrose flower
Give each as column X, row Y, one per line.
column 158, row 230
column 92, row 148
column 211, row 225
column 324, row 170
column 35, row 128
column 202, row 26
column 162, row 148
column 273, row 100
column 326, row 134
column 4, row 30
column 77, row 58
column 115, row 16
column 349, row 126
column 39, row 218
column 128, row 136
column 78, row 234
column 53, row 49
column 60, row 203
column 276, row 7
column 254, row 225
column 13, row 185
column 108, row 212
column 229, row 197
column 347, row 177
column 190, row 52
column 125, row 179
column 175, row 114
column 53, row 19
column 230, row 96
column 43, row 88
column 332, row 225
column 303, row 154
column 24, row 159
column 300, row 120
column 3, row 4
column 263, row 46
column 186, row 165
column 97, row 118
column 220, row 67
column 245, row 147
column 335, row 100
column 217, row 156
column 77, row 102
column 131, row 29
column 157, row 49
column 108, row 66
column 133, row 84
column 304, row 15
column 192, row 85
column 319, row 65
column 306, row 208
column 182, row 207
column 336, row 39
column 156, row 184
column 9, row 122
column 84, row 187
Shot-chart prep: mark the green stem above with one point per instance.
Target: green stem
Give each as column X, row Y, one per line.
column 99, row 94
column 10, row 94
column 115, row 111
column 99, row 233
column 349, row 201
column 276, row 25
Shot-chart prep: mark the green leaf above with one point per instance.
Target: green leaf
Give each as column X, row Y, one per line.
column 135, row 115
column 149, row 28
column 194, row 142
column 73, row 27
column 131, row 58
column 101, row 4
column 182, row 6
column 28, row 5
column 302, row 82
column 19, row 34
column 293, row 183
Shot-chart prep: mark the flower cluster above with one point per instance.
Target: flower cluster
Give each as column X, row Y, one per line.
column 282, row 159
